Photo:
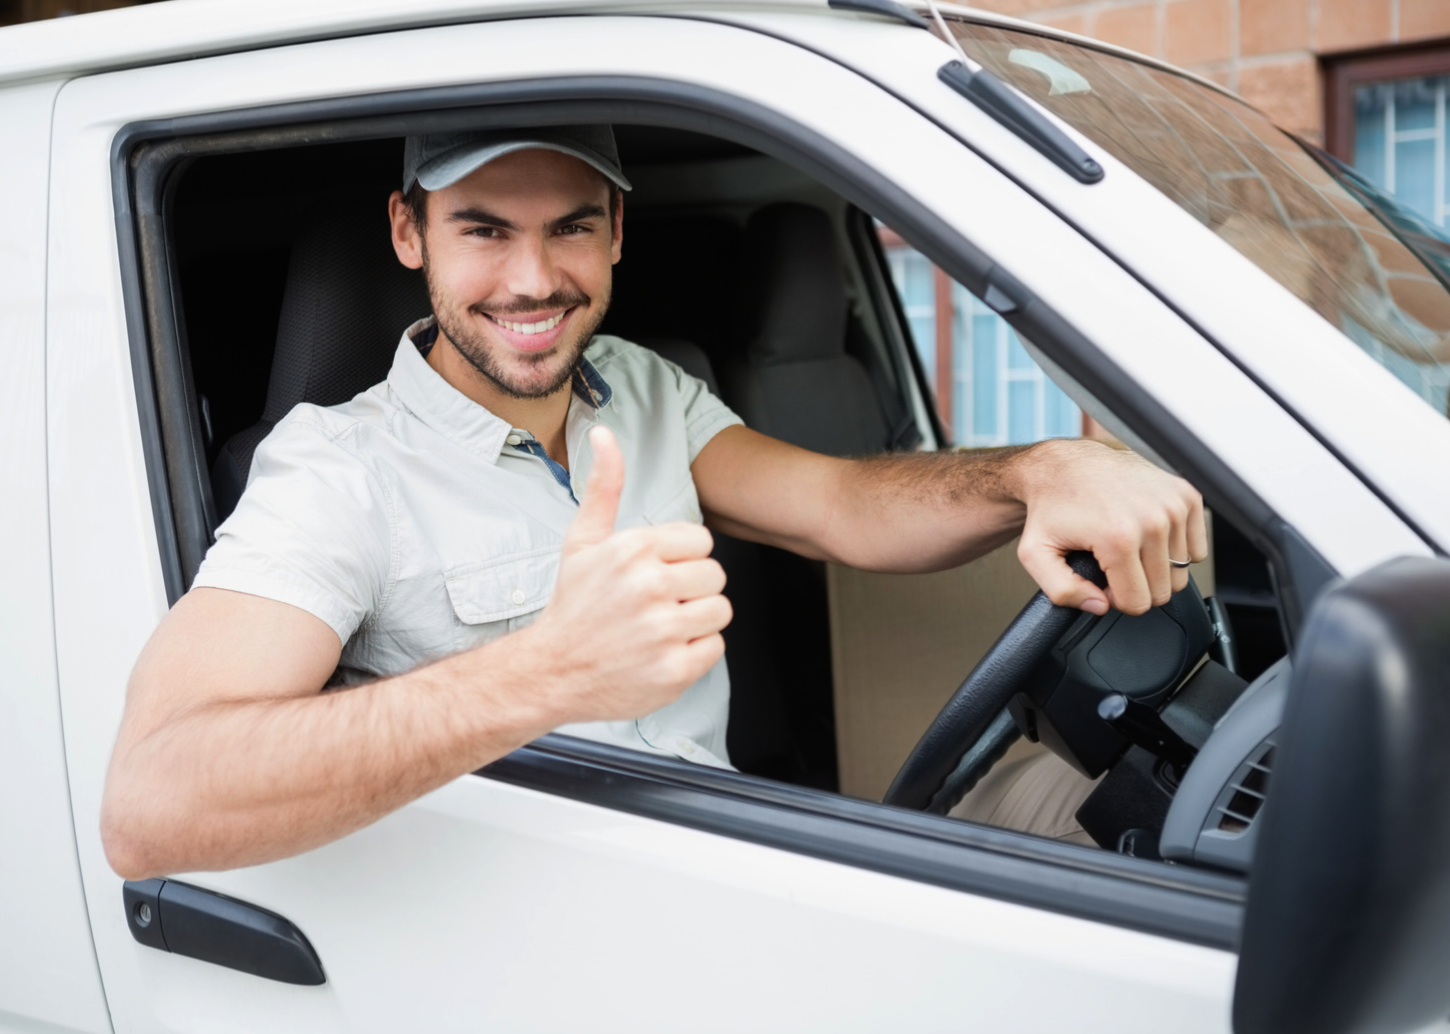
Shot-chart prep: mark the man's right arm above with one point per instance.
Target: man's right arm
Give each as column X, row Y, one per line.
column 230, row 754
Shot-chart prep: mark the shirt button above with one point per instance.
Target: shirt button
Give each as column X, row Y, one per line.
column 513, row 439
column 517, row 597
column 686, row 747
column 597, row 395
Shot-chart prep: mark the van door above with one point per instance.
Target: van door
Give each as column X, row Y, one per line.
column 558, row 893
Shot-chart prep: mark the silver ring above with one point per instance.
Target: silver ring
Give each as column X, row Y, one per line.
column 1180, row 564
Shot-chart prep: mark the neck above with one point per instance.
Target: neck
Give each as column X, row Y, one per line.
column 542, row 417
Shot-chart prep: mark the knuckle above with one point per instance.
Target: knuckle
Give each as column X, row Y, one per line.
column 647, row 581
column 725, row 611
column 1122, row 540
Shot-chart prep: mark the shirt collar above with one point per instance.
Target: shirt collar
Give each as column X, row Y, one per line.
column 590, row 386
column 445, row 409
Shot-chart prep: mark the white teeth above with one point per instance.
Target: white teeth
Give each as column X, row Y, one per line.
column 531, row 328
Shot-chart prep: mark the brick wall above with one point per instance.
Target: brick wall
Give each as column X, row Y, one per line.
column 1266, row 50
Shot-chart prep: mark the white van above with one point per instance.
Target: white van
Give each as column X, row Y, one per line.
column 195, row 242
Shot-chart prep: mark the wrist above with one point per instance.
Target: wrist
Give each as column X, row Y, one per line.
column 510, row 684
column 1044, row 466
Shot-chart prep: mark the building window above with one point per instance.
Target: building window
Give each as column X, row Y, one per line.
column 914, row 277
column 1388, row 118
column 988, row 389
column 1399, row 141
column 1002, row 396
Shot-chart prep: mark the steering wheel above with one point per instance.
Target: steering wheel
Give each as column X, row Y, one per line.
column 974, row 729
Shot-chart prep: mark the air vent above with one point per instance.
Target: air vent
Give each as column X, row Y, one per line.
column 1246, row 791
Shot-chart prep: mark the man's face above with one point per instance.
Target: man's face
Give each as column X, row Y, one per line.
column 518, row 257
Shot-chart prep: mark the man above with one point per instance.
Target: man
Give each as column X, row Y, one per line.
column 431, row 537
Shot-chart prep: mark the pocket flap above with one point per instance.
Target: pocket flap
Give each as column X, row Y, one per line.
column 506, row 587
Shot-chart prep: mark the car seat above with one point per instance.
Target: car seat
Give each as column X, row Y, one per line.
column 795, row 380
column 346, row 303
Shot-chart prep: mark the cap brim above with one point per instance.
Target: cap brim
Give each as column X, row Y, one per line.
column 452, row 166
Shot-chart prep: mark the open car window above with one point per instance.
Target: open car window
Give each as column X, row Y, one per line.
column 835, row 674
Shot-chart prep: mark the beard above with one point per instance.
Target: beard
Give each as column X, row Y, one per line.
column 557, row 364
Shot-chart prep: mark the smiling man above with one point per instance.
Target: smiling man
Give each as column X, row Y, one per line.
column 508, row 536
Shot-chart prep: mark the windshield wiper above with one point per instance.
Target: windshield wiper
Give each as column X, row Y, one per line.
column 991, row 94
column 1016, row 113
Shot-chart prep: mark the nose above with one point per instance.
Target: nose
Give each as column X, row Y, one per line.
column 531, row 270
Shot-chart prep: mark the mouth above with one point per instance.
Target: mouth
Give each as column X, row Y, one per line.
column 535, row 331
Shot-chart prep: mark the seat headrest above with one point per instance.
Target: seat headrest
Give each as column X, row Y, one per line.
column 346, row 303
column 687, row 355
column 795, row 284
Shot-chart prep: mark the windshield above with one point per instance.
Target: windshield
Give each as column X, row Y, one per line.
column 1370, row 267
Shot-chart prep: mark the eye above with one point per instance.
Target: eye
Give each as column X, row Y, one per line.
column 573, row 229
column 485, row 232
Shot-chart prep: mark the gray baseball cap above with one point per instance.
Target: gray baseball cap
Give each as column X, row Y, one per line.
column 440, row 160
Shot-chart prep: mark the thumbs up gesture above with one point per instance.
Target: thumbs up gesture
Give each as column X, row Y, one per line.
column 636, row 615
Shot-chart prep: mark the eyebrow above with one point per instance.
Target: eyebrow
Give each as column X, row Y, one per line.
column 590, row 211
column 482, row 217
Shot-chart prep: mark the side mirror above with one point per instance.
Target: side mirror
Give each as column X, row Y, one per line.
column 1347, row 929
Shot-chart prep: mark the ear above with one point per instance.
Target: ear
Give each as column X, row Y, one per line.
column 407, row 235
column 616, row 227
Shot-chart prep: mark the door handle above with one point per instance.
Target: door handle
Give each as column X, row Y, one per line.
column 202, row 924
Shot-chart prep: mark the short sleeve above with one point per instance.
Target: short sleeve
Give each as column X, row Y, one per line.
column 312, row 528
column 705, row 415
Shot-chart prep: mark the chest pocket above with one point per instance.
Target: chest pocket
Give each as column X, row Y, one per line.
column 493, row 597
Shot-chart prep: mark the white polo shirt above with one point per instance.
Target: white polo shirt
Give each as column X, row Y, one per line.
column 418, row 524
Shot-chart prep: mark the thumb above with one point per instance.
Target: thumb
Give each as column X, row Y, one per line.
column 595, row 520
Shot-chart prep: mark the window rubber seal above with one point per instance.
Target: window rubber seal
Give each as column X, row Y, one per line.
column 1193, row 906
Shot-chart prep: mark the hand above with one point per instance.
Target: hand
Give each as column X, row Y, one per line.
column 636, row 615
column 1128, row 513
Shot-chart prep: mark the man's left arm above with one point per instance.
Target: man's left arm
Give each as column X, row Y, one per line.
column 916, row 512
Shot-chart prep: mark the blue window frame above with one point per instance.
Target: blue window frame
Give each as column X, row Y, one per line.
column 1400, row 139
column 998, row 395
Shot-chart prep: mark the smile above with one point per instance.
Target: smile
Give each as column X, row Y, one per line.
column 538, row 327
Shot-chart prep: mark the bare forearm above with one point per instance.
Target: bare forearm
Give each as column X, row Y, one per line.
column 902, row 512
column 916, row 512
column 926, row 512
column 240, row 782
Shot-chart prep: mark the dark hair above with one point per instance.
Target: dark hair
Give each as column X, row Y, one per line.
column 416, row 201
